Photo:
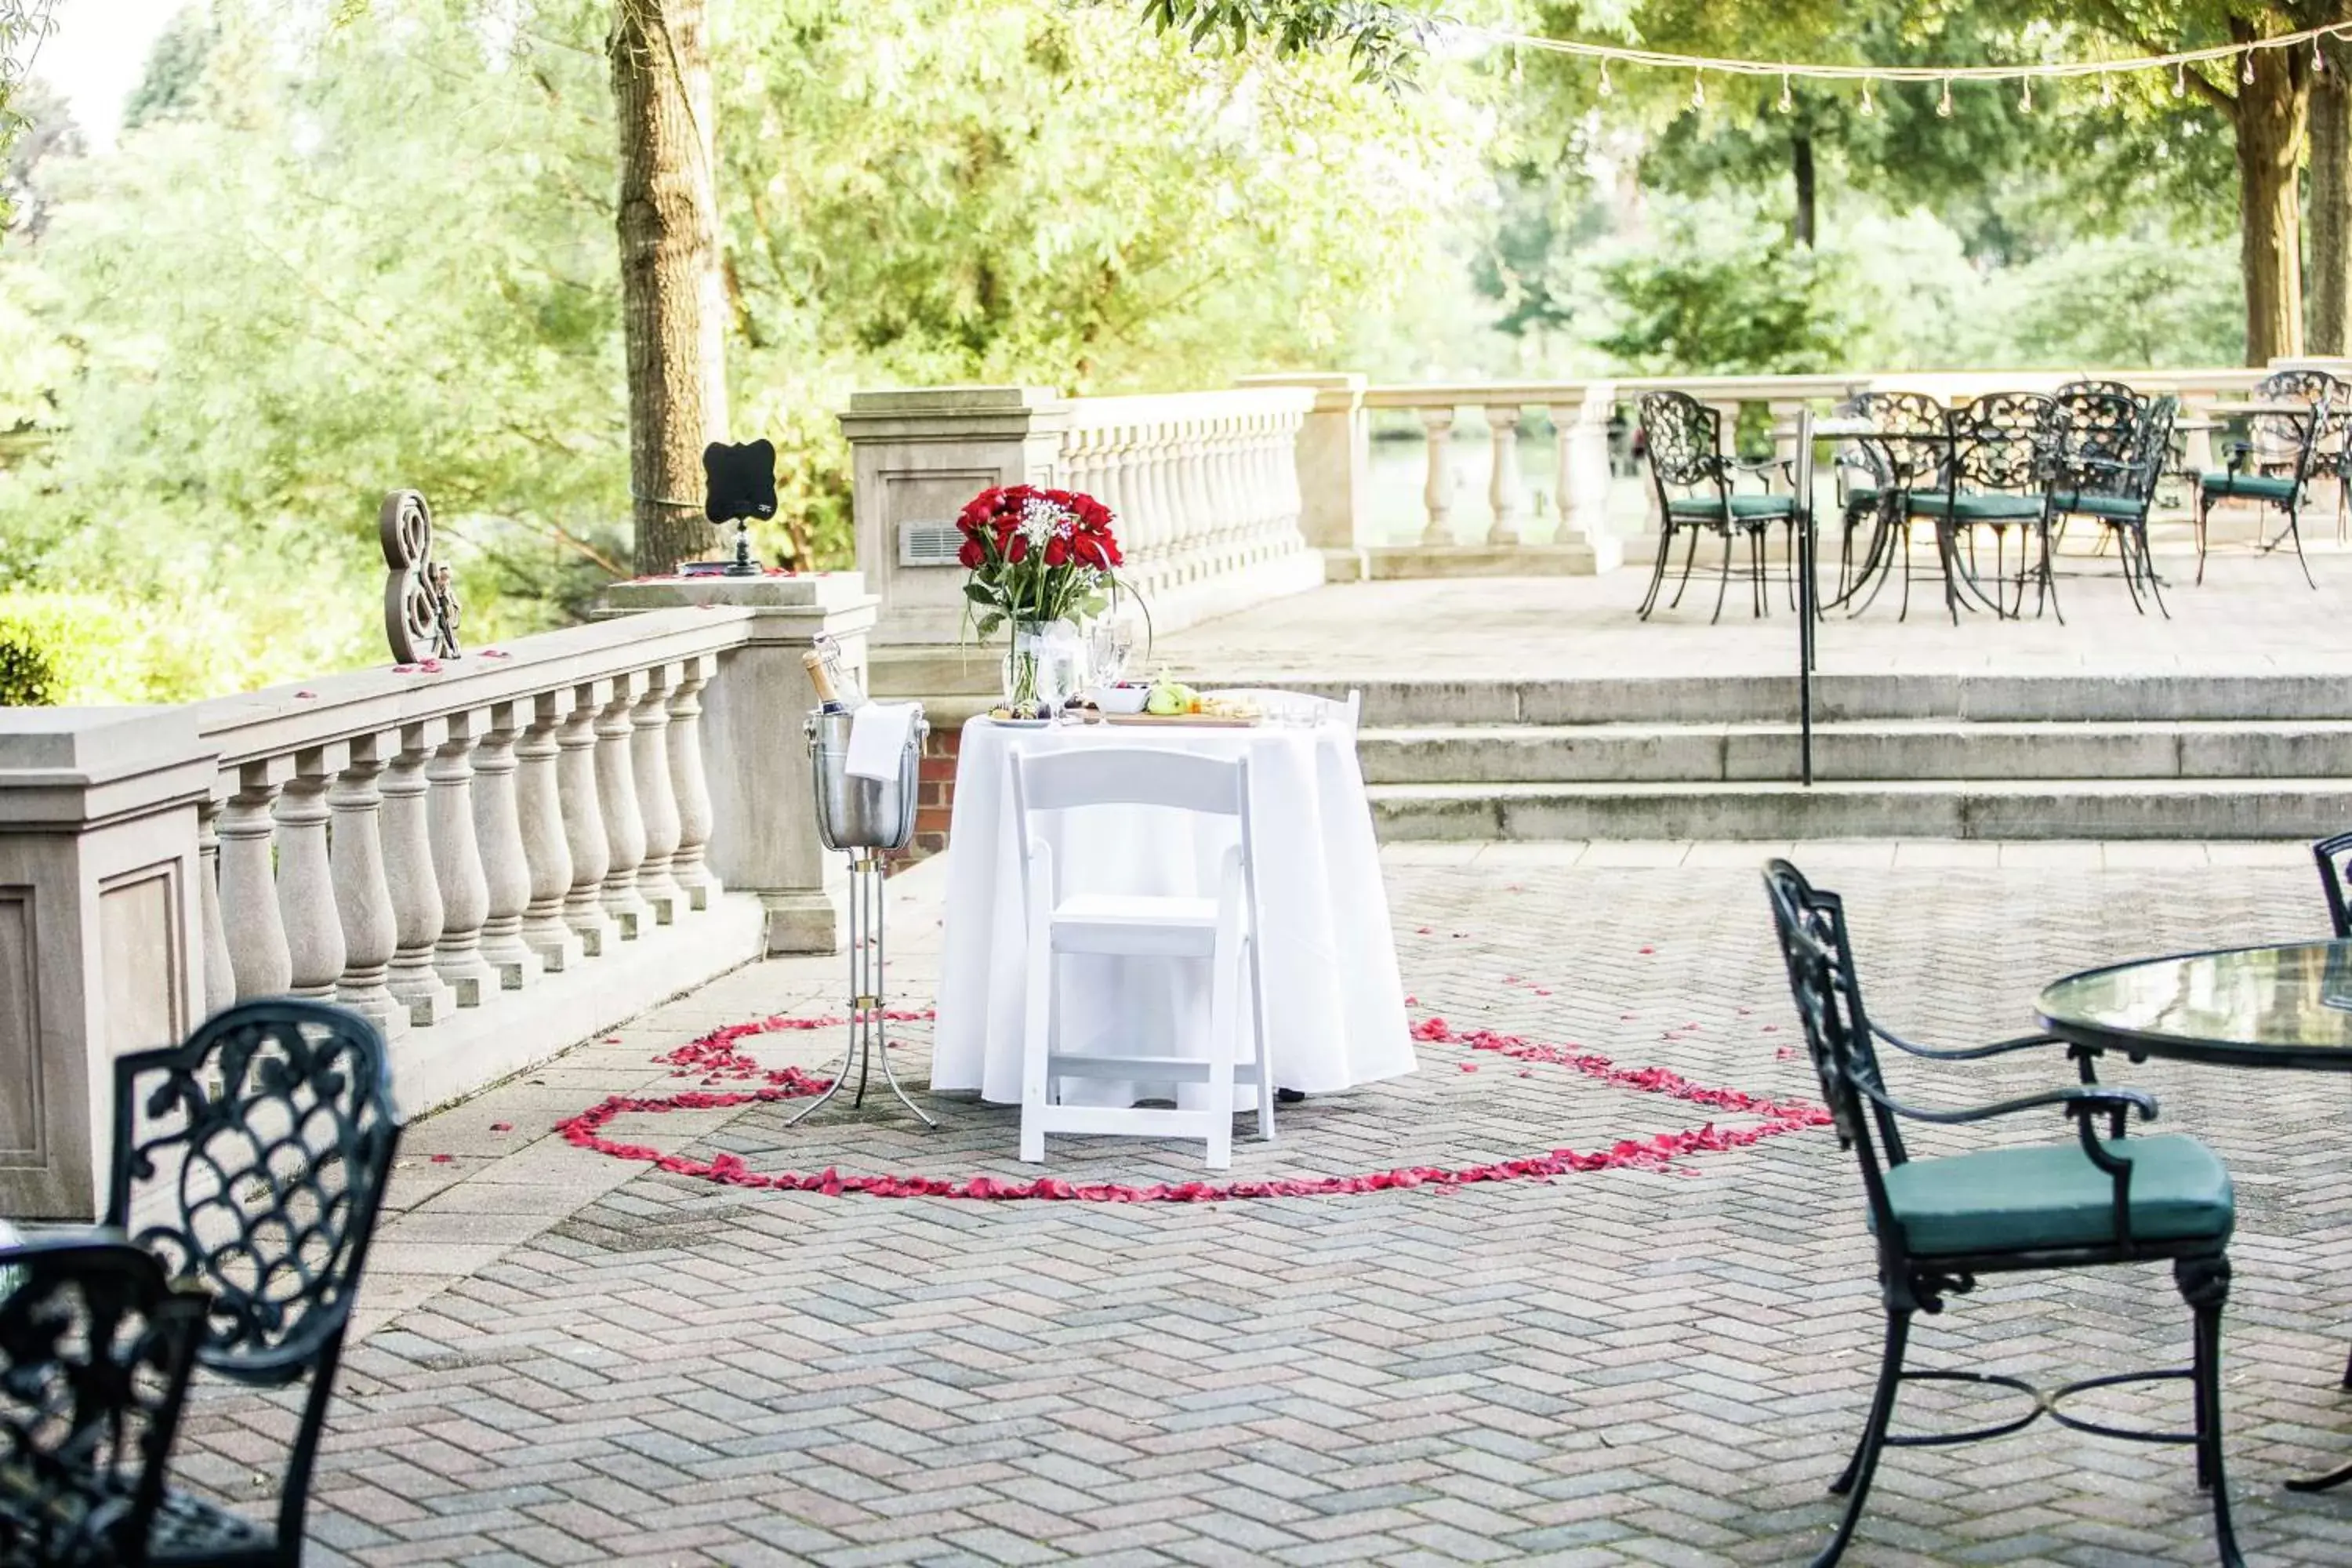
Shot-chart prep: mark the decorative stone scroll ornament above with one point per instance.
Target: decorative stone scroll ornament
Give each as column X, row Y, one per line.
column 420, row 613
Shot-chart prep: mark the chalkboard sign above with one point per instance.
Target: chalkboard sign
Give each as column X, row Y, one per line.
column 740, row 484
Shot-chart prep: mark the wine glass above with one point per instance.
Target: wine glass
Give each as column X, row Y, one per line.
column 1114, row 645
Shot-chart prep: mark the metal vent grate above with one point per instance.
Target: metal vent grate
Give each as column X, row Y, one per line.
column 929, row 544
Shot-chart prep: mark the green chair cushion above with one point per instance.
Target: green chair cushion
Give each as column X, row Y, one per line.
column 2121, row 508
column 2051, row 1196
column 1709, row 508
column 1862, row 495
column 1976, row 506
column 2256, row 487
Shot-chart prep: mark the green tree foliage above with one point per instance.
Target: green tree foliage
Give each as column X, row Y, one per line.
column 173, row 82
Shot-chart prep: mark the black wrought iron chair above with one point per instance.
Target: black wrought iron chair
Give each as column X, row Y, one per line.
column 2108, row 452
column 1997, row 477
column 1694, row 478
column 95, row 1350
column 253, row 1159
column 2281, row 452
column 1941, row 1223
column 1871, row 475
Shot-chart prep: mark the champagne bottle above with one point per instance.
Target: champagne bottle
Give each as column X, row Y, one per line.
column 820, row 677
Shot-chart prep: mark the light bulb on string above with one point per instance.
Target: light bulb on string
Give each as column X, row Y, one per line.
column 2025, row 96
column 2319, row 59
column 2247, row 76
column 1944, row 104
column 2180, row 80
column 1605, row 88
column 1787, row 102
column 1869, row 104
column 1698, row 90
column 2107, row 91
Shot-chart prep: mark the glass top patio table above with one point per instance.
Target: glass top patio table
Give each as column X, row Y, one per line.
column 2254, row 1006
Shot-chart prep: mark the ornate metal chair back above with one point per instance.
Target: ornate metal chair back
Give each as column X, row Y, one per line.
column 2109, row 388
column 1828, row 994
column 2153, row 450
column 2333, row 854
column 2002, row 441
column 2093, row 435
column 253, row 1158
column 1912, row 412
column 1685, row 440
column 2305, row 446
column 95, row 1350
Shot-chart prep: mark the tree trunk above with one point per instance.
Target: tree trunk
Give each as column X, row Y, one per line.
column 2269, row 114
column 2331, row 203
column 1800, row 149
column 672, row 294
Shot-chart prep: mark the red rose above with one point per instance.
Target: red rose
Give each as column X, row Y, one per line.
column 1089, row 549
column 1057, row 550
column 1110, row 548
column 1016, row 549
column 974, row 554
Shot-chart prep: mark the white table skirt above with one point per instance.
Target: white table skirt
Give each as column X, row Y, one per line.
column 1335, row 1004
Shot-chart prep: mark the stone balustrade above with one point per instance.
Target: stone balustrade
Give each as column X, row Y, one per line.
column 492, row 859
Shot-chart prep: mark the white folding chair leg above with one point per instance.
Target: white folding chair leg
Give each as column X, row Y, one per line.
column 1261, row 1042
column 1225, row 1037
column 1038, row 1017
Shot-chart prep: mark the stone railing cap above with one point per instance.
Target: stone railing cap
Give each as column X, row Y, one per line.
column 97, row 743
column 953, row 400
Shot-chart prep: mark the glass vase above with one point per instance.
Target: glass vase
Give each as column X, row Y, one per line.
column 1045, row 666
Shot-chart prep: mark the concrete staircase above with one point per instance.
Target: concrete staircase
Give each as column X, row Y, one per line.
column 1950, row 756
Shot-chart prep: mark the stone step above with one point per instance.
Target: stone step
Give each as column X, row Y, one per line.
column 1772, row 697
column 1850, row 751
column 1776, row 812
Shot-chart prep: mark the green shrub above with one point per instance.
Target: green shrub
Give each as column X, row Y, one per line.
column 26, row 678
column 60, row 648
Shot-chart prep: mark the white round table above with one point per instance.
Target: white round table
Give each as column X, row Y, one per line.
column 1335, row 1002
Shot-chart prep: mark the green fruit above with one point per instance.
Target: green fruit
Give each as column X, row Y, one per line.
column 1164, row 700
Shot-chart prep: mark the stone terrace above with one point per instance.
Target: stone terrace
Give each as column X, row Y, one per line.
column 571, row 1358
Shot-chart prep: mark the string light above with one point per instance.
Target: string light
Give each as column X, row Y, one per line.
column 1698, row 90
column 2025, row 98
column 1869, row 105
column 2180, row 80
column 1787, row 102
column 2318, row 59
column 1605, row 88
column 2107, row 91
column 1944, row 104
column 2247, row 76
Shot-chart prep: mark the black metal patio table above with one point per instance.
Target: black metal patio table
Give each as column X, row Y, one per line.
column 2287, row 1007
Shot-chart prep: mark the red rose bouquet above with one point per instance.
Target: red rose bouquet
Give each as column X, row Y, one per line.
column 1036, row 557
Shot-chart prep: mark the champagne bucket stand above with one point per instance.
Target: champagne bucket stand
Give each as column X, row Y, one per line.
column 866, row 819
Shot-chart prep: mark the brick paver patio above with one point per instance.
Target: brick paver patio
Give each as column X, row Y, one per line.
column 571, row 1358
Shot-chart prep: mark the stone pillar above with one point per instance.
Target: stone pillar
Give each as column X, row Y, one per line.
column 546, row 857
column 1437, row 491
column 101, row 927
column 457, row 864
column 656, row 802
column 408, row 874
column 219, row 974
column 919, row 455
column 257, row 932
column 583, row 818
column 497, row 834
column 762, row 835
column 1581, row 428
column 363, row 893
column 624, row 825
column 306, row 884
column 1503, row 488
column 1335, row 448
column 688, row 783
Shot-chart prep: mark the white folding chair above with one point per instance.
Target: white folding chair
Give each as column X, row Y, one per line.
column 1223, row 930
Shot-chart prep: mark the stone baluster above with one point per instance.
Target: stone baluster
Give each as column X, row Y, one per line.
column 362, row 891
column 546, row 858
column 306, row 881
column 687, row 784
column 248, row 883
column 1566, row 500
column 1437, row 491
column 409, row 874
column 1119, row 491
column 498, row 836
column 624, row 825
column 1290, row 498
column 2197, row 444
column 656, row 802
column 583, row 818
column 1727, row 426
column 1159, row 442
column 457, row 864
column 1785, row 414
column 1503, row 490
column 1241, row 504
column 220, row 973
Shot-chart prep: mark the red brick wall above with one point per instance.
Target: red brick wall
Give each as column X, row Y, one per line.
column 935, row 796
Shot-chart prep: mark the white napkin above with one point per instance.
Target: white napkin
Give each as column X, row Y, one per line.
column 878, row 739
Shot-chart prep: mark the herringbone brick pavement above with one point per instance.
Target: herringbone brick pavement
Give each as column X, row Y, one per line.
column 581, row 1359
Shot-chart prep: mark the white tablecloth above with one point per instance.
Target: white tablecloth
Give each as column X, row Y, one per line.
column 1335, row 1004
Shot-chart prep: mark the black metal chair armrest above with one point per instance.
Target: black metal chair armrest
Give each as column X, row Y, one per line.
column 2078, row 1101
column 2238, row 452
column 1968, row 1053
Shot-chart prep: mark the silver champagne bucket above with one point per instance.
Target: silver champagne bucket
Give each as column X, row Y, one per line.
column 854, row 813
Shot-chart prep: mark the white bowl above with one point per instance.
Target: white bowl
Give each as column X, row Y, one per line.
column 1120, row 699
